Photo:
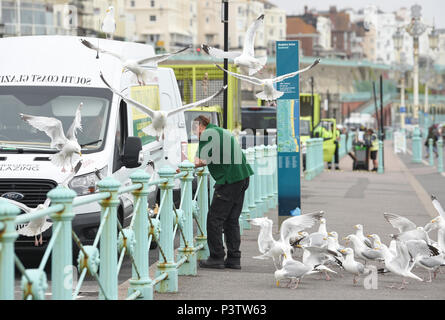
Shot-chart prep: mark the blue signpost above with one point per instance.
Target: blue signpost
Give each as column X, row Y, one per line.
column 288, row 131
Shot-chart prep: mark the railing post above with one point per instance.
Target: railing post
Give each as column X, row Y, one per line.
column 263, row 173
column 108, row 239
column 8, row 235
column 275, row 175
column 417, row 146
column 430, row 152
column 309, row 159
column 380, row 165
column 245, row 213
column 62, row 253
column 170, row 284
column 258, row 184
column 440, row 155
column 269, row 176
column 187, row 249
column 142, row 284
column 203, row 204
column 320, row 156
column 250, row 158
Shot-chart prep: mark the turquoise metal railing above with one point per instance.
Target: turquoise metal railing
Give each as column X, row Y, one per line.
column 342, row 148
column 314, row 158
column 110, row 247
column 416, row 146
column 440, row 155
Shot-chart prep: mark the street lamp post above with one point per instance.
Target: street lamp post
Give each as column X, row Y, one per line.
column 415, row 29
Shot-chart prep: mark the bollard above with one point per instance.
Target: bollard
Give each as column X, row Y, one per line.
column 319, row 156
column 416, row 146
column 170, row 284
column 258, row 184
column 141, row 249
column 203, row 204
column 430, row 152
column 189, row 268
column 62, row 253
column 8, row 235
column 251, row 190
column 380, row 166
column 108, row 239
column 440, row 155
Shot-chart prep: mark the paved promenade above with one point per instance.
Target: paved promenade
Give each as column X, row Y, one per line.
column 348, row 198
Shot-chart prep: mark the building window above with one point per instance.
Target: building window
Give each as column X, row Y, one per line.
column 152, row 3
column 132, row 3
column 207, row 20
column 152, row 18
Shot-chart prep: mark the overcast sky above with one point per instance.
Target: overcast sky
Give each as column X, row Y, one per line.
column 430, row 8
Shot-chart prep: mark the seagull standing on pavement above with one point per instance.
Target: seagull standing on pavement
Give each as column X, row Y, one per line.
column 133, row 65
column 159, row 117
column 362, row 251
column 69, row 148
column 269, row 93
column 246, row 58
column 361, row 236
column 352, row 266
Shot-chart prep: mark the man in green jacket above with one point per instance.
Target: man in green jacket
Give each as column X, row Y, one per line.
column 221, row 153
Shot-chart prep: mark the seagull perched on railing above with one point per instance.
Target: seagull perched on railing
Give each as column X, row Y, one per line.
column 269, row 93
column 134, row 65
column 70, row 150
column 159, row 117
column 246, row 58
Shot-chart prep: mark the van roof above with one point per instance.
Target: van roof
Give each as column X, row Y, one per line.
column 64, row 60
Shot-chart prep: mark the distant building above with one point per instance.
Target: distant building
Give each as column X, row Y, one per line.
column 60, row 17
column 297, row 29
column 167, row 25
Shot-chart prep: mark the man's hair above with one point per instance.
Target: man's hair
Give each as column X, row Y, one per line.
column 202, row 120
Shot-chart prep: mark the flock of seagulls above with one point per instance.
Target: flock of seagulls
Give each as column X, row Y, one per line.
column 323, row 254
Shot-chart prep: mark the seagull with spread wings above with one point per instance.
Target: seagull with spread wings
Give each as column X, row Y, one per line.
column 246, row 58
column 134, row 65
column 275, row 249
column 69, row 148
column 159, row 117
column 269, row 93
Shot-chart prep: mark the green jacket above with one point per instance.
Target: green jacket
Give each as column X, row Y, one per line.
column 226, row 165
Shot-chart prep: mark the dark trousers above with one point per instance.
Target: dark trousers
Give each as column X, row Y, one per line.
column 224, row 212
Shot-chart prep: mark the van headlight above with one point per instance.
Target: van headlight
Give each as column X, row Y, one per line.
column 87, row 183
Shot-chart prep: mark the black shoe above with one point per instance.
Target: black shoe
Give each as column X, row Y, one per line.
column 211, row 264
column 232, row 265
column 337, row 168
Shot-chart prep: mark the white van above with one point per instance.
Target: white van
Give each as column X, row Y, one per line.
column 49, row 76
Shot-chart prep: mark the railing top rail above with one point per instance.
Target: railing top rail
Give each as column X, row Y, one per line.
column 27, row 217
column 78, row 201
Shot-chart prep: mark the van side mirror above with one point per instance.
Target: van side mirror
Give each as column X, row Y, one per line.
column 132, row 147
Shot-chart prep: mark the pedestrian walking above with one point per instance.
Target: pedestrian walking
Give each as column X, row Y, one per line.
column 220, row 152
column 372, row 141
column 433, row 133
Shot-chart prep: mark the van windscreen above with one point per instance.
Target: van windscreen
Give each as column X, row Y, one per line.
column 55, row 102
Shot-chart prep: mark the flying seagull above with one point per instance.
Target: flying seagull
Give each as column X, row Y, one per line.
column 69, row 148
column 109, row 24
column 134, row 65
column 269, row 93
column 159, row 117
column 246, row 58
